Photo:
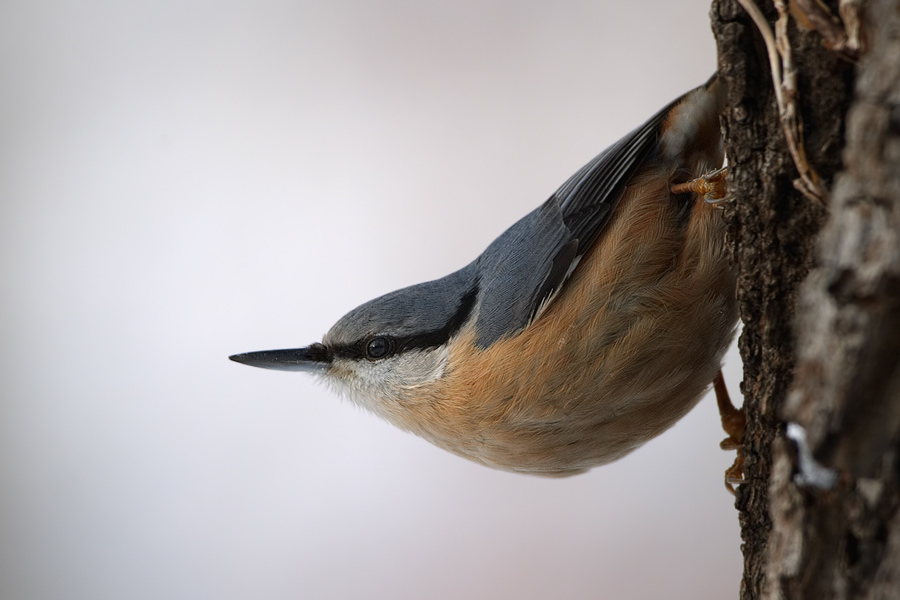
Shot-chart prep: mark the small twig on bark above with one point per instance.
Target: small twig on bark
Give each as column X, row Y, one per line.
column 786, row 94
column 809, row 183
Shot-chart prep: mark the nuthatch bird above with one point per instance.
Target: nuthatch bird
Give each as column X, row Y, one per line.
column 587, row 328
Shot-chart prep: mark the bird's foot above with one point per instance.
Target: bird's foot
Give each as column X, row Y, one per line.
column 733, row 422
column 710, row 186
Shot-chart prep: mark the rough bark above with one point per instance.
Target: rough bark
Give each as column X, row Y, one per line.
column 820, row 298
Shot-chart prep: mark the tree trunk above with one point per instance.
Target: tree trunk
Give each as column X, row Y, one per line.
column 819, row 290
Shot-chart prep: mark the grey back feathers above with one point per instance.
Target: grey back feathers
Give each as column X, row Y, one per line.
column 518, row 272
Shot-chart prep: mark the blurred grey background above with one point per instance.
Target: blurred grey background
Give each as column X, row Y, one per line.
column 185, row 180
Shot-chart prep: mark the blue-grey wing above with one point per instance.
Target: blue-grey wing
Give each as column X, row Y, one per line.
column 522, row 269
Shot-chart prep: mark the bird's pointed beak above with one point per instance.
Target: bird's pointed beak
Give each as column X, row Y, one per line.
column 312, row 359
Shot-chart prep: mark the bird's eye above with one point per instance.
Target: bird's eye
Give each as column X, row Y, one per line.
column 378, row 347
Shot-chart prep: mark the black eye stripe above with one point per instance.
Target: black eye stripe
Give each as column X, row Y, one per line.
column 400, row 344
